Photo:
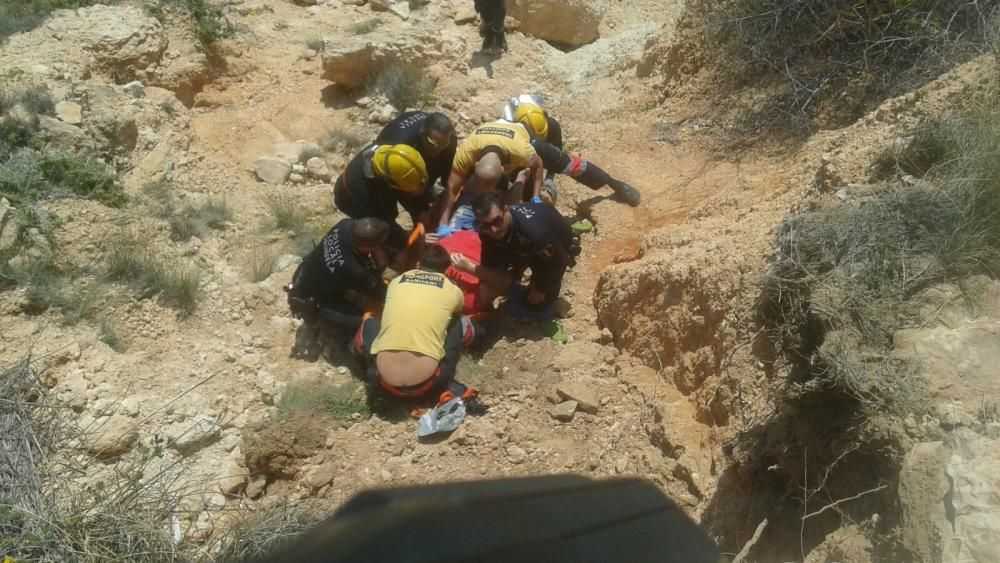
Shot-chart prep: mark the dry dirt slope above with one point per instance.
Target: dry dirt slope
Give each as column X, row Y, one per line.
column 669, row 384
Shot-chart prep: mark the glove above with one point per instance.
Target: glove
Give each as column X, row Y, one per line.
column 444, row 231
column 536, row 199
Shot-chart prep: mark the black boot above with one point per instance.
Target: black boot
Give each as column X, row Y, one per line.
column 626, row 193
column 594, row 177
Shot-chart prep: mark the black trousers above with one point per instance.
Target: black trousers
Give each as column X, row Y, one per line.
column 492, row 13
column 343, row 201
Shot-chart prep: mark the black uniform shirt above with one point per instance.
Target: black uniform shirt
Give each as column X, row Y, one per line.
column 539, row 239
column 333, row 268
column 406, row 130
column 371, row 196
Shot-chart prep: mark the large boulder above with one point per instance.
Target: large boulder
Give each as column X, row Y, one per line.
column 566, row 22
column 116, row 36
column 353, row 61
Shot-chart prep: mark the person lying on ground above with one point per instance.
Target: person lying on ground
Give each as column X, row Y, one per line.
column 520, row 236
column 490, row 151
column 546, row 138
column 412, row 351
column 377, row 180
column 342, row 277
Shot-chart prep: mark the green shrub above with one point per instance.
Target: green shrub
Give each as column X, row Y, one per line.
column 199, row 219
column 363, row 27
column 131, row 260
column 28, row 175
column 340, row 402
column 844, row 54
column 405, row 86
column 211, row 23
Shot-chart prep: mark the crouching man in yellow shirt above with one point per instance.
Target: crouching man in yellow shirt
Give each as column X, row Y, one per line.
column 413, row 350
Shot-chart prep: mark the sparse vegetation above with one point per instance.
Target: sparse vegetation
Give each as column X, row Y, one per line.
column 826, row 62
column 108, row 334
column 261, row 532
column 342, row 141
column 341, row 402
column 363, row 27
column 132, row 261
column 315, row 43
column 405, row 86
column 25, row 15
column 847, row 276
column 260, row 263
column 51, row 285
column 198, row 220
column 211, row 23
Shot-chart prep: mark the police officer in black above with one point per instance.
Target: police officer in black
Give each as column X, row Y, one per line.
column 432, row 134
column 339, row 278
column 524, row 235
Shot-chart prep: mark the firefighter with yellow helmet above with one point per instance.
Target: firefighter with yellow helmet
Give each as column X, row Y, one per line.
column 377, row 179
column 546, row 138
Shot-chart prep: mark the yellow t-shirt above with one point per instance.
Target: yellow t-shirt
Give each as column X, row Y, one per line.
column 419, row 306
column 512, row 138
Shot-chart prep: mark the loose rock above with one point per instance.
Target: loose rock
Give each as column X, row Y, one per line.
column 564, row 411
column 272, row 169
column 587, row 399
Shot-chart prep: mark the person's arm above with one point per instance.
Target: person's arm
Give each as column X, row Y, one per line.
column 455, row 183
column 499, row 279
column 538, row 175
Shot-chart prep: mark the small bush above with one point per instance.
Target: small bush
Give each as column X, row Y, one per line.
column 363, row 27
column 131, row 260
column 259, row 533
column 211, row 23
column 49, row 285
column 28, row 175
column 833, row 60
column 260, row 263
column 315, row 43
column 286, row 213
column 405, row 86
column 200, row 219
column 342, row 141
column 340, row 402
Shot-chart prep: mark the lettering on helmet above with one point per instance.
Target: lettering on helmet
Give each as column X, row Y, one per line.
column 492, row 130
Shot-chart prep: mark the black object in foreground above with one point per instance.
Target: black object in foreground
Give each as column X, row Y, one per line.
column 538, row 519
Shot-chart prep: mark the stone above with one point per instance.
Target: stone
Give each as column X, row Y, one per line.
column 117, row 37
column 110, row 437
column 272, row 169
column 465, row 13
column 9, row 227
column 352, row 61
column 286, row 261
column 134, row 89
column 321, row 475
column 564, row 411
column 317, row 168
column 516, row 454
column 233, row 477
column 298, row 169
column 401, row 9
column 154, row 166
column 383, row 114
column 255, row 488
column 565, row 22
column 118, row 130
column 69, row 112
column 296, row 178
column 192, row 435
column 975, row 503
column 588, row 400
column 379, row 5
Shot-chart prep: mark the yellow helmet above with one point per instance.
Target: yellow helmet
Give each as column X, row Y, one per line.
column 402, row 165
column 532, row 117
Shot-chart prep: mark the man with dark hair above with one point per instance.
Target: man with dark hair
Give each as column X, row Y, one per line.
column 432, row 134
column 413, row 350
column 492, row 14
column 520, row 236
column 338, row 280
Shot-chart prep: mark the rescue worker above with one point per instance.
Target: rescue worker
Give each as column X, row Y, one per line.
column 413, row 350
column 492, row 14
column 491, row 150
column 546, row 133
column 340, row 278
column 520, row 236
column 432, row 134
column 376, row 180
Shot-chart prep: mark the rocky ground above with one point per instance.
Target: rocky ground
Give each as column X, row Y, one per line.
column 659, row 362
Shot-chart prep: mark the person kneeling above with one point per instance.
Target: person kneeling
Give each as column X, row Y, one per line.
column 413, row 350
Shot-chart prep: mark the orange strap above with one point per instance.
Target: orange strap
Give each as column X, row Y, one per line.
column 418, row 231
